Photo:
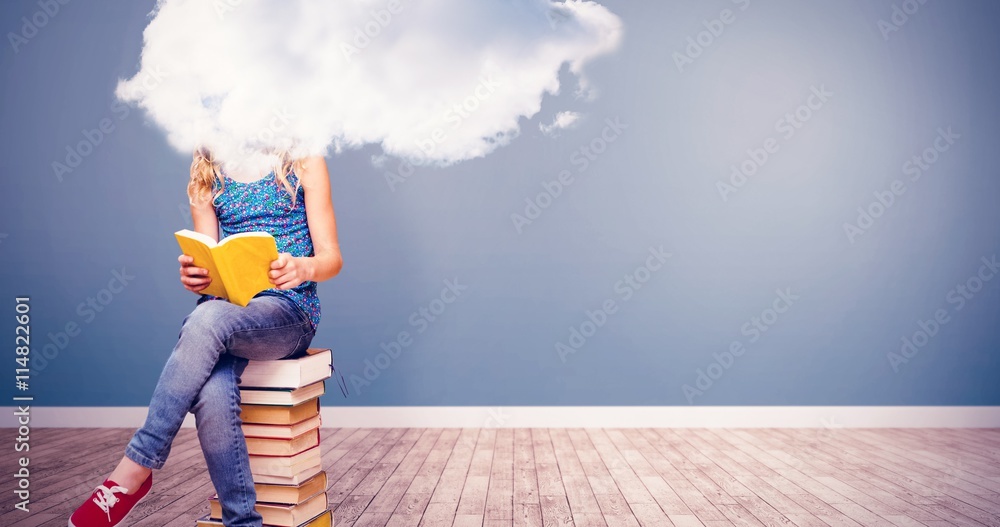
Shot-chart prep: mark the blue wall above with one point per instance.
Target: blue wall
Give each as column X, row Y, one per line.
column 848, row 295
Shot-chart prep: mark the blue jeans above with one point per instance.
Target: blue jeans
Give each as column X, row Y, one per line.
column 216, row 341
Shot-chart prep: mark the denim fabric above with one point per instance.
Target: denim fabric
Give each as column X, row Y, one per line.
column 216, row 341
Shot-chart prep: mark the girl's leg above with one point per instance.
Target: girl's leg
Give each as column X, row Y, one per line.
column 217, row 413
column 270, row 327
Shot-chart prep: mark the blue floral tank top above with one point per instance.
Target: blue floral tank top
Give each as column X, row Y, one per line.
column 265, row 205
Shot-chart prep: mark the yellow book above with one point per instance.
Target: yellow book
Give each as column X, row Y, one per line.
column 238, row 265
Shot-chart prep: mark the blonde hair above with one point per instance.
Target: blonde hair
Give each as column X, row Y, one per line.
column 206, row 174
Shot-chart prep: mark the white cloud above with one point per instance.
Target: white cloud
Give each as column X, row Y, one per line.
column 562, row 121
column 432, row 81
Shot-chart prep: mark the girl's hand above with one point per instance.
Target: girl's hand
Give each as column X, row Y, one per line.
column 194, row 278
column 289, row 271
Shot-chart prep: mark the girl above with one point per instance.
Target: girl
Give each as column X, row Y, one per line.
column 217, row 338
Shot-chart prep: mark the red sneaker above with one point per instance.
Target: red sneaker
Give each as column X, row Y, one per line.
column 109, row 504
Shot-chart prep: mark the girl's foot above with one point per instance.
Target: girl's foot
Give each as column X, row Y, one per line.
column 109, row 504
column 129, row 474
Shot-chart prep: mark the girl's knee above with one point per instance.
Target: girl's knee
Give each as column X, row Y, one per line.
column 209, row 320
column 208, row 311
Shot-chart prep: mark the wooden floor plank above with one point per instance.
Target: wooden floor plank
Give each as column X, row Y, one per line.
column 891, row 479
column 500, row 492
column 522, row 477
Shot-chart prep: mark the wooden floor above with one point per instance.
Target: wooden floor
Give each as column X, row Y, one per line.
column 583, row 477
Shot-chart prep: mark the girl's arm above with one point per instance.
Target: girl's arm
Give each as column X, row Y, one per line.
column 289, row 271
column 196, row 278
column 204, row 219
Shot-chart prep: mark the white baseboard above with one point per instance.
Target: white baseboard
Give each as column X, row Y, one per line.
column 567, row 417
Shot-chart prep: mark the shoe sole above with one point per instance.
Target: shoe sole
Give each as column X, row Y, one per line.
column 121, row 522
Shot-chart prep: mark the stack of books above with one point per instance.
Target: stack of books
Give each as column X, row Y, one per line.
column 281, row 422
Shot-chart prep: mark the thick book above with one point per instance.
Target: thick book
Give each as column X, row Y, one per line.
column 325, row 519
column 285, row 466
column 281, row 431
column 279, row 415
column 282, row 396
column 238, row 265
column 291, row 494
column 297, row 479
column 262, row 446
column 282, row 515
column 315, row 366
column 288, row 494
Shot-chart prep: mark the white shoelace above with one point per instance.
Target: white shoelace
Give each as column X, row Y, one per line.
column 107, row 499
